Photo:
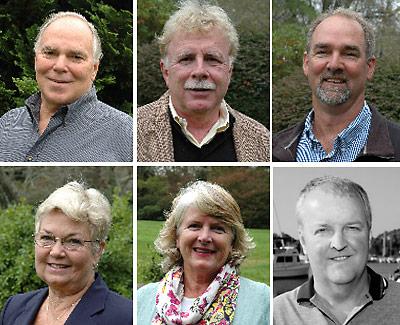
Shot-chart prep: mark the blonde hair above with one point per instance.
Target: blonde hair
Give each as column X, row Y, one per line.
column 210, row 199
column 196, row 16
column 86, row 205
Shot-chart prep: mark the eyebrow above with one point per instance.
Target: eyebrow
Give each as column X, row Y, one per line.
column 69, row 235
column 346, row 47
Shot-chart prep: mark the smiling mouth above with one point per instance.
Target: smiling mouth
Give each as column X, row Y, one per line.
column 59, row 81
column 340, row 258
column 203, row 250
column 58, row 266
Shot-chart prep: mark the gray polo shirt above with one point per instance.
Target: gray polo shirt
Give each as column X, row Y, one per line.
column 303, row 305
column 84, row 131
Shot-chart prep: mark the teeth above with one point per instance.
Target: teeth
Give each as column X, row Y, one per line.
column 199, row 250
column 336, row 81
column 341, row 258
column 58, row 266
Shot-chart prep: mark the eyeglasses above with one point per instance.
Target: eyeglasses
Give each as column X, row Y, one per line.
column 70, row 243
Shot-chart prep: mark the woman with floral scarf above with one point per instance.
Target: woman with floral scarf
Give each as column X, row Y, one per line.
column 203, row 242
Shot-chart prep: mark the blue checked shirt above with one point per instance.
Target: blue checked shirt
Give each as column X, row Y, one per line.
column 347, row 145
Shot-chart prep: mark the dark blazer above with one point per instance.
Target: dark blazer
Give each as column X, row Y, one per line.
column 99, row 305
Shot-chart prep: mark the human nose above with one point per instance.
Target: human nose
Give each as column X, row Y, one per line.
column 200, row 69
column 338, row 241
column 60, row 63
column 58, row 248
column 335, row 62
column 204, row 235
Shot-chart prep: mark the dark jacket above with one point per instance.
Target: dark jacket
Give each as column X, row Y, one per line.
column 383, row 142
column 98, row 306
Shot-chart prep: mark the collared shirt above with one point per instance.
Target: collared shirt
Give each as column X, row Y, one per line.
column 304, row 306
column 347, row 145
column 86, row 130
column 220, row 126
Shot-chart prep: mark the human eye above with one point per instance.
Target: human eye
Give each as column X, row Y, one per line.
column 194, row 226
column 219, row 229
column 46, row 238
column 185, row 59
column 320, row 230
column 73, row 242
column 48, row 52
column 353, row 227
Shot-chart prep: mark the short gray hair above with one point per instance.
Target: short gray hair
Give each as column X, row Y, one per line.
column 210, row 199
column 198, row 16
column 369, row 34
column 82, row 204
column 96, row 42
column 342, row 187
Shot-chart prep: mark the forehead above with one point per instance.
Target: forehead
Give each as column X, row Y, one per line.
column 321, row 206
column 336, row 30
column 69, row 30
column 212, row 40
column 59, row 224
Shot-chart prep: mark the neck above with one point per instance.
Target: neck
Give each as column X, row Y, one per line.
column 329, row 121
column 195, row 283
column 45, row 113
column 199, row 123
column 343, row 296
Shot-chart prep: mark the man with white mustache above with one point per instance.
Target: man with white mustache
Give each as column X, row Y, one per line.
column 342, row 126
column 334, row 226
column 192, row 121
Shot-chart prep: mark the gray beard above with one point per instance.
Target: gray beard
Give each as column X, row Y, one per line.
column 333, row 96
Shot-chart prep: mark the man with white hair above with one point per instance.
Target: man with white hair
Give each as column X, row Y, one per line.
column 191, row 121
column 65, row 121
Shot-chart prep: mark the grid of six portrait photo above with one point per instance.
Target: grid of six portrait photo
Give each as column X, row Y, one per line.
column 153, row 152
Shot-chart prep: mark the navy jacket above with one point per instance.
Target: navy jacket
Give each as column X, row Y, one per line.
column 99, row 305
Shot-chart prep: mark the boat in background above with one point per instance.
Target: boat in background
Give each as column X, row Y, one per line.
column 288, row 264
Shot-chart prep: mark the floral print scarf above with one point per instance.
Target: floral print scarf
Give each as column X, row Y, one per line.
column 215, row 306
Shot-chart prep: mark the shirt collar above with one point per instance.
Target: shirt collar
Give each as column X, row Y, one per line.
column 347, row 135
column 221, row 125
column 69, row 112
column 377, row 287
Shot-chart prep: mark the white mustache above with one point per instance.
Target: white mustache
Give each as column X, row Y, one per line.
column 199, row 84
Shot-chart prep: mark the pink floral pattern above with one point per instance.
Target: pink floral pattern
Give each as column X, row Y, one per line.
column 216, row 306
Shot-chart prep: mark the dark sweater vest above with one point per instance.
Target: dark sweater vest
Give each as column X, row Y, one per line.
column 220, row 148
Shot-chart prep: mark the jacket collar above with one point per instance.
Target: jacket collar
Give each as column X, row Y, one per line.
column 92, row 302
column 379, row 143
column 377, row 287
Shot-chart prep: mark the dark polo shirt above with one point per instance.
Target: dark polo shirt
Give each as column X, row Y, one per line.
column 304, row 306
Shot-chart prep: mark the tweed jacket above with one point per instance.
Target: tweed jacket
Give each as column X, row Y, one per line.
column 98, row 306
column 154, row 142
column 383, row 142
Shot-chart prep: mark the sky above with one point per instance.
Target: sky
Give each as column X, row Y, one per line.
column 382, row 185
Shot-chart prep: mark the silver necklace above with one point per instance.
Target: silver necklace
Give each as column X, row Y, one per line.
column 69, row 308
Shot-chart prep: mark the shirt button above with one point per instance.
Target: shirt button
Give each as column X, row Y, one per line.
column 29, row 158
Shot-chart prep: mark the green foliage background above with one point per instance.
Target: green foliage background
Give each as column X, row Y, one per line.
column 157, row 187
column 19, row 24
column 291, row 95
column 17, row 261
column 249, row 88
column 256, row 266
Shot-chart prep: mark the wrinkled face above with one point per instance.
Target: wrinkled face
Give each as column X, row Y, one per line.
column 197, row 71
column 62, row 269
column 337, row 67
column 204, row 242
column 64, row 64
column 334, row 234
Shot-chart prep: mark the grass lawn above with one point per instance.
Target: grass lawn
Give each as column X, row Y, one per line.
column 255, row 266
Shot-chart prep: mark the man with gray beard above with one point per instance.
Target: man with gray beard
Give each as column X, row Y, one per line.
column 341, row 126
column 192, row 121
